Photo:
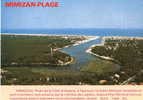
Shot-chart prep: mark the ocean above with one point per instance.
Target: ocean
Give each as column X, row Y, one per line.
column 87, row 32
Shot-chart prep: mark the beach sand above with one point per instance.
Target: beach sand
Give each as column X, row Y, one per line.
column 103, row 41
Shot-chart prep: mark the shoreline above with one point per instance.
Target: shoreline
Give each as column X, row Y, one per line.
column 102, row 44
column 87, row 38
column 46, row 34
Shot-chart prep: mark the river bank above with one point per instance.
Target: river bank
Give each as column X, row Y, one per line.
column 89, row 50
column 87, row 39
column 126, row 52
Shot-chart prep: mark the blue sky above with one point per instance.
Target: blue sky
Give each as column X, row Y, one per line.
column 75, row 14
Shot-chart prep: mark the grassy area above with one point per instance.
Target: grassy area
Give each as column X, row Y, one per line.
column 22, row 50
column 99, row 67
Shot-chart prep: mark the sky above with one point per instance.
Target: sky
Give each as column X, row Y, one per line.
column 75, row 14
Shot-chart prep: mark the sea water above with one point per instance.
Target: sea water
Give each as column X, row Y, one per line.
column 89, row 31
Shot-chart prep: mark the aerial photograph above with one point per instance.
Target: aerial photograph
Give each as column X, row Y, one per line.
column 78, row 42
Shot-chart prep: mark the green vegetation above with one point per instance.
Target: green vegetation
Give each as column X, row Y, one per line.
column 25, row 50
column 126, row 52
column 36, row 76
column 99, row 67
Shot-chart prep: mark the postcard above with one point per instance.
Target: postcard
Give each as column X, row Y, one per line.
column 71, row 50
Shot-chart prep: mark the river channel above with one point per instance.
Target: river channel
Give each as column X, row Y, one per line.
column 81, row 58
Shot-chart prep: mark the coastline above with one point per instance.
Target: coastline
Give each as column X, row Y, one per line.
column 87, row 38
column 102, row 44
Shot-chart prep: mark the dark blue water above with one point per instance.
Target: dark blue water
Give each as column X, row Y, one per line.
column 94, row 32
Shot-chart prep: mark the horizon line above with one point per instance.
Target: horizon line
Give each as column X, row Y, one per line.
column 63, row 28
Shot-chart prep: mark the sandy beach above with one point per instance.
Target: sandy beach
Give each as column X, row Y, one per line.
column 87, row 39
column 103, row 41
